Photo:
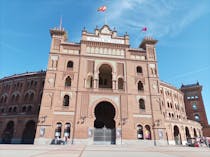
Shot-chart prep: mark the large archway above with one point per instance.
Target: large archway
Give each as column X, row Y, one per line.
column 177, row 136
column 29, row 133
column 105, row 76
column 104, row 123
column 8, row 133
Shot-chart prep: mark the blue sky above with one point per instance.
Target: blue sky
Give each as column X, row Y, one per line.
column 182, row 28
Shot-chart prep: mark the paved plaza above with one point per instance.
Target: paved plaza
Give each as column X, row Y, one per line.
column 100, row 151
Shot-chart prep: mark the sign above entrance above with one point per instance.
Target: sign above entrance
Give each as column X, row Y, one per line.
column 106, row 39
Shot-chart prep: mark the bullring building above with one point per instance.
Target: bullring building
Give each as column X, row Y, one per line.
column 99, row 91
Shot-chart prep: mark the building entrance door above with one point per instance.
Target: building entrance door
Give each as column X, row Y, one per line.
column 104, row 124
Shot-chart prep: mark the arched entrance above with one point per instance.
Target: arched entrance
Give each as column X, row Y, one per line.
column 187, row 133
column 105, row 76
column 104, row 123
column 177, row 136
column 29, row 133
column 8, row 133
column 195, row 133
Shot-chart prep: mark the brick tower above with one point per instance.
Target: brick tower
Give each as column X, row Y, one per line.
column 194, row 105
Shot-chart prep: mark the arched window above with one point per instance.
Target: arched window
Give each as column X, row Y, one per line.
column 177, row 135
column 10, row 109
column 70, row 64
column 195, row 133
column 2, row 98
column 67, row 130
column 139, row 70
column 17, row 98
column 23, row 109
column 140, row 86
column 90, row 82
column 8, row 133
column 15, row 109
column 194, row 106
column 187, row 133
column 58, row 130
column 13, row 98
column 147, row 133
column 5, row 99
column 31, row 97
column 140, row 134
column 66, row 100
column 197, row 117
column 26, row 97
column 68, row 82
column 120, row 83
column 29, row 108
column 141, row 104
column 105, row 76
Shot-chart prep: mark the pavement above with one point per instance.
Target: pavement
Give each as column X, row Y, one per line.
column 101, row 151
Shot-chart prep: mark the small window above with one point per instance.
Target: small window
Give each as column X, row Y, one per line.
column 70, row 64
column 35, row 83
column 67, row 130
column 32, row 82
column 140, row 86
column 147, row 134
column 17, row 98
column 90, row 82
column 58, row 130
column 13, row 98
column 140, row 134
column 5, row 99
column 26, row 97
column 197, row 117
column 10, row 109
column 15, row 109
column 139, row 69
column 32, row 97
column 141, row 104
column 29, row 109
column 194, row 106
column 120, row 83
column 23, row 109
column 66, row 100
column 68, row 82
column 172, row 115
column 2, row 110
column 2, row 98
column 171, row 105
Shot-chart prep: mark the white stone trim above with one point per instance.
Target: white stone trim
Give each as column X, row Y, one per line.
column 143, row 115
column 64, row 113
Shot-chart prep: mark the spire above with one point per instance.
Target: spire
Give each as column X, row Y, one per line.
column 60, row 26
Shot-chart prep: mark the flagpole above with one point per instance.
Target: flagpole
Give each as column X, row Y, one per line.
column 105, row 18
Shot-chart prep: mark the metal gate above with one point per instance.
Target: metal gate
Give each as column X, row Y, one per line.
column 104, row 136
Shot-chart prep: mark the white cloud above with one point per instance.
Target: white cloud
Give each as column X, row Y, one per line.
column 161, row 17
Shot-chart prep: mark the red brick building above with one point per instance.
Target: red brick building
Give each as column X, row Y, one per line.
column 194, row 105
column 20, row 99
column 100, row 90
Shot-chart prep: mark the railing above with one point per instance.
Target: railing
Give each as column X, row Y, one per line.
column 104, row 136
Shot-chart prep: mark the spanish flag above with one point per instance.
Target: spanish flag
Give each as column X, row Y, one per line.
column 102, row 8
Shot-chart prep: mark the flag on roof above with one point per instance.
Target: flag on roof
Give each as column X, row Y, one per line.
column 102, row 8
column 144, row 29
